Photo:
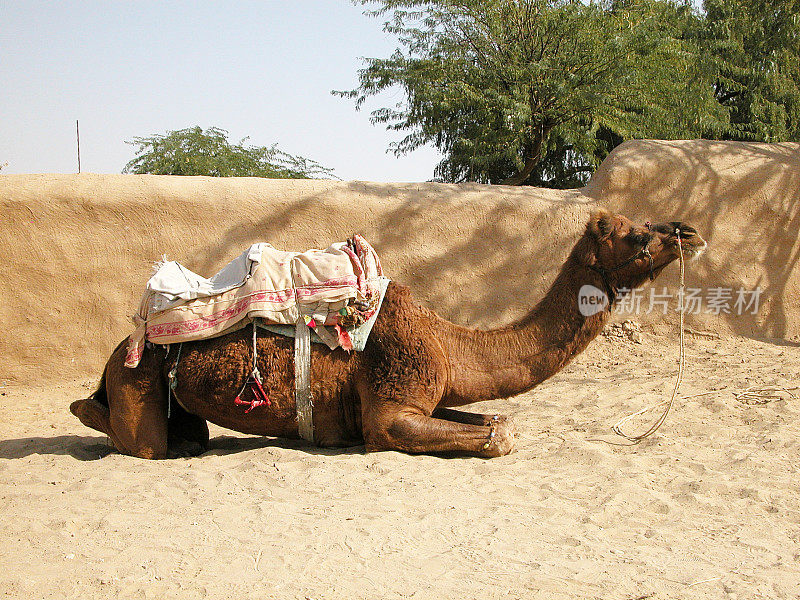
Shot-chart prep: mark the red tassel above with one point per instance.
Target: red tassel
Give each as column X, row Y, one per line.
column 259, row 396
column 344, row 338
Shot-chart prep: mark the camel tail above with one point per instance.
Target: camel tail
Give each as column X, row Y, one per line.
column 99, row 395
column 93, row 411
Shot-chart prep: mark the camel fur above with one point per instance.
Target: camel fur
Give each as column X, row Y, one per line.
column 401, row 392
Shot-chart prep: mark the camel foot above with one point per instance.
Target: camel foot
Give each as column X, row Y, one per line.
column 468, row 418
column 96, row 416
column 418, row 433
column 504, row 439
column 92, row 414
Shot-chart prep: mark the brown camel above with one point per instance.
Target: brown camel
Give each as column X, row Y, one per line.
column 399, row 393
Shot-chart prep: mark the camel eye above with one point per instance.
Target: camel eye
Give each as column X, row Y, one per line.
column 638, row 240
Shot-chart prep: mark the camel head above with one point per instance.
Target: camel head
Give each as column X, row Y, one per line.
column 626, row 255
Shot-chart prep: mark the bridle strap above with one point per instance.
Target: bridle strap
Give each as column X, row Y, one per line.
column 610, row 290
column 604, row 273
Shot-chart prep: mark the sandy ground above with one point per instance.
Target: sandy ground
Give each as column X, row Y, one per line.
column 708, row 508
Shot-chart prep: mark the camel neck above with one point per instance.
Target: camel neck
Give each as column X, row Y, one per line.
column 504, row 362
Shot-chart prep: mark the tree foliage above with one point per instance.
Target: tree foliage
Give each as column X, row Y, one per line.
column 753, row 47
column 537, row 90
column 193, row 151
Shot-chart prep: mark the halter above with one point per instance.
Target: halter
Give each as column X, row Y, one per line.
column 604, row 273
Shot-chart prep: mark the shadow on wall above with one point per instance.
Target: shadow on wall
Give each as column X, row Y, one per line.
column 744, row 198
column 475, row 265
column 478, row 255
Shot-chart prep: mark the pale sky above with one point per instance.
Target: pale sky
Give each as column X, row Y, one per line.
column 259, row 69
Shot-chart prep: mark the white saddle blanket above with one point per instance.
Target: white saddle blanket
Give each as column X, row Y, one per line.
column 338, row 287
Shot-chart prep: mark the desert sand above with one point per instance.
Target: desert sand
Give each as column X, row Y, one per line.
column 706, row 508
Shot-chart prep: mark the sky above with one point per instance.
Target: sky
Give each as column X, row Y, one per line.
column 263, row 70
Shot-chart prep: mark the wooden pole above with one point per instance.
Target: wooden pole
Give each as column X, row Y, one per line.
column 78, row 135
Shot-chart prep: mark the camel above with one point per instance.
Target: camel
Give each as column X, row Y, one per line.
column 402, row 391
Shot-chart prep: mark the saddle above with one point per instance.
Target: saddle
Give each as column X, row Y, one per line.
column 333, row 292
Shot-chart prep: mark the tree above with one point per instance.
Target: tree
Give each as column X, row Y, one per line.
column 193, row 151
column 534, row 91
column 754, row 50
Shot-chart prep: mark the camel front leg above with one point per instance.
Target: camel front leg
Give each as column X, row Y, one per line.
column 403, row 428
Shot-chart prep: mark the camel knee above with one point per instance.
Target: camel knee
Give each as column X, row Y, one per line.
column 377, row 439
column 142, row 436
column 382, row 431
column 405, row 430
column 149, row 450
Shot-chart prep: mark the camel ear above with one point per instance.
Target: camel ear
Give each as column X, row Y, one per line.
column 601, row 224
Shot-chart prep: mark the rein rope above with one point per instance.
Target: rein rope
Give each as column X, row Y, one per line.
column 617, row 427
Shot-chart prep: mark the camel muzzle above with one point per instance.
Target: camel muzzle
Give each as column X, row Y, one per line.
column 691, row 242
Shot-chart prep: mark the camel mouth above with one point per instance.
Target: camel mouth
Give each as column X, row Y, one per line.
column 695, row 251
column 691, row 244
column 691, row 249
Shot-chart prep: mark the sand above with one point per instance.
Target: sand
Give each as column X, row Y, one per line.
column 707, row 508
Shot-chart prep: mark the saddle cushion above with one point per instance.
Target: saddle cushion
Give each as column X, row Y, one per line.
column 337, row 287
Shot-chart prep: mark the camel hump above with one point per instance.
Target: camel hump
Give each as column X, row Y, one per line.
column 397, row 298
column 397, row 293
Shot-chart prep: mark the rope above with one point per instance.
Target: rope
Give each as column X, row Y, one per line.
column 617, row 427
column 762, row 394
column 254, row 380
column 172, row 378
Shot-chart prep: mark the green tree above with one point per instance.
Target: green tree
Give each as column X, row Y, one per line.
column 536, row 91
column 753, row 48
column 193, row 151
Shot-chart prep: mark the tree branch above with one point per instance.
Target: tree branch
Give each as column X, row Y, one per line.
column 532, row 157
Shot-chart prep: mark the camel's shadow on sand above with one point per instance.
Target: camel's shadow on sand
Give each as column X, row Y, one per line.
column 82, row 447
column 93, row 447
column 228, row 444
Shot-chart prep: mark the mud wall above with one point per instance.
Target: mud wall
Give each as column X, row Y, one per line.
column 76, row 250
column 744, row 199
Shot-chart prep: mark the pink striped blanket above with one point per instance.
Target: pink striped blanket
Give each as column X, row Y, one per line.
column 336, row 287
